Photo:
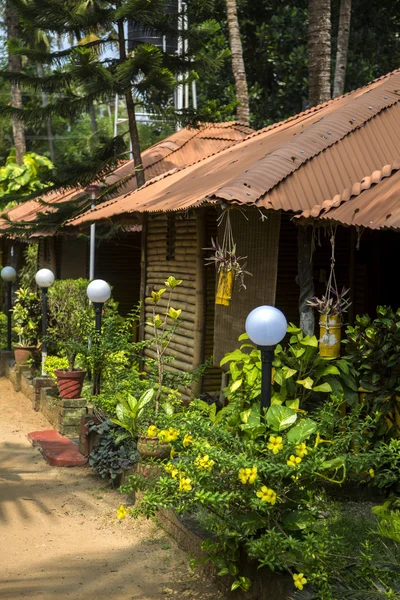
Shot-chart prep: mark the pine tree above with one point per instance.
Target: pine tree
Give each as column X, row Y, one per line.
column 145, row 77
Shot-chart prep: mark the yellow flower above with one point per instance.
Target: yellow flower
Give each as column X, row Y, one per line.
column 293, row 461
column 204, row 462
column 371, row 473
column 168, row 435
column 266, row 495
column 299, row 580
column 275, row 443
column 173, row 471
column 152, row 431
column 122, row 512
column 187, row 440
column 184, row 484
column 301, row 449
column 247, row 475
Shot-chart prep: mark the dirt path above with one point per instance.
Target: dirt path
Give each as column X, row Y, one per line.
column 59, row 536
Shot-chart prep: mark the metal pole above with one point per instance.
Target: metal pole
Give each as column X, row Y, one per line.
column 9, row 314
column 267, row 356
column 44, row 329
column 98, row 309
column 92, row 243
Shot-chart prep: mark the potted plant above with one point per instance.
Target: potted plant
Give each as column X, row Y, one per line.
column 331, row 307
column 230, row 267
column 26, row 318
column 70, row 319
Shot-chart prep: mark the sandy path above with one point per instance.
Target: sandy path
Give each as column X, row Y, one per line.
column 59, row 537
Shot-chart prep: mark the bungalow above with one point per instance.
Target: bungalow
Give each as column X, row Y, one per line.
column 117, row 256
column 316, row 165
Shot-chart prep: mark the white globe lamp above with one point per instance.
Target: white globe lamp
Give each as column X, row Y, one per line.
column 8, row 274
column 266, row 326
column 44, row 278
column 98, row 291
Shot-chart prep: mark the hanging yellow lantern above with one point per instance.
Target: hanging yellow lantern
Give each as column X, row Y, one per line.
column 225, row 287
column 330, row 336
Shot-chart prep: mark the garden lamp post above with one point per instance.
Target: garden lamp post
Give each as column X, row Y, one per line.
column 94, row 191
column 266, row 327
column 44, row 278
column 9, row 275
column 98, row 291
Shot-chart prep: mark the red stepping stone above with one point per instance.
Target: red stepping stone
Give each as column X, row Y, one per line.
column 59, row 451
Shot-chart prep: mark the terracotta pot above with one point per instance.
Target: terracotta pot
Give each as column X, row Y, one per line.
column 150, row 447
column 224, row 288
column 330, row 336
column 70, row 383
column 23, row 353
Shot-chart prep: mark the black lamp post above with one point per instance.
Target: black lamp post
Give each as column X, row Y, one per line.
column 44, row 278
column 9, row 275
column 266, row 327
column 98, row 291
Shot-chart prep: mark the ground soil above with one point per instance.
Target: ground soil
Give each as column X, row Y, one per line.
column 59, row 535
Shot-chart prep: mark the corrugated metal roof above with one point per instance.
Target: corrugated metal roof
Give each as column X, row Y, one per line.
column 292, row 166
column 178, row 150
column 372, row 202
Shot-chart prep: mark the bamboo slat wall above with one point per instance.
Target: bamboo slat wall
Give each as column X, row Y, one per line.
column 171, row 250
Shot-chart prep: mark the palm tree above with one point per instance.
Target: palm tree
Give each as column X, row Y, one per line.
column 15, row 66
column 342, row 47
column 319, row 51
column 239, row 72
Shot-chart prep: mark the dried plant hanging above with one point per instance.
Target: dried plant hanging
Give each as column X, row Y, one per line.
column 331, row 308
column 229, row 266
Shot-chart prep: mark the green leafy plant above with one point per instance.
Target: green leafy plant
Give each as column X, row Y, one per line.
column 53, row 363
column 114, row 454
column 24, row 179
column 70, row 318
column 129, row 410
column 26, row 317
column 373, row 347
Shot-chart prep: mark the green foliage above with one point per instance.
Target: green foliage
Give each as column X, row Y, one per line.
column 259, row 485
column 373, row 347
column 17, row 181
column 27, row 273
column 129, row 410
column 70, row 318
column 113, row 455
column 3, row 331
column 26, row 317
column 53, row 363
column 300, row 375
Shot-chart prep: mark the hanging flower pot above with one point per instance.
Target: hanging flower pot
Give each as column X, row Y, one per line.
column 330, row 336
column 225, row 287
column 70, row 383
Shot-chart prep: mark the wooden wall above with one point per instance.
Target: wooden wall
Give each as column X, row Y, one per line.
column 171, row 250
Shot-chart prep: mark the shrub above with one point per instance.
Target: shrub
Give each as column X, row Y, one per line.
column 26, row 317
column 113, row 455
column 53, row 363
column 3, row 331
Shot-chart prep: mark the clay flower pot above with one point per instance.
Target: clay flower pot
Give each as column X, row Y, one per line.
column 23, row 353
column 151, row 447
column 70, row 383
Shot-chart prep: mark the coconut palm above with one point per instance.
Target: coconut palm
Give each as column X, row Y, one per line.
column 238, row 68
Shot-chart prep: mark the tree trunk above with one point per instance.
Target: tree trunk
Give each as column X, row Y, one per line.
column 130, row 108
column 342, row 47
column 50, row 136
column 305, row 279
column 15, row 66
column 239, row 73
column 319, row 51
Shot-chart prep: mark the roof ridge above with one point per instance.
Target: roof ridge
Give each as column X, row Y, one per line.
column 320, row 210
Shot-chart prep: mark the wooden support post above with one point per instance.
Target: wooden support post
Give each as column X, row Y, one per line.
column 143, row 277
column 352, row 274
column 305, row 278
column 200, row 296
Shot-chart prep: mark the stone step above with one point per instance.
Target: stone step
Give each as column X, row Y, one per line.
column 58, row 450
